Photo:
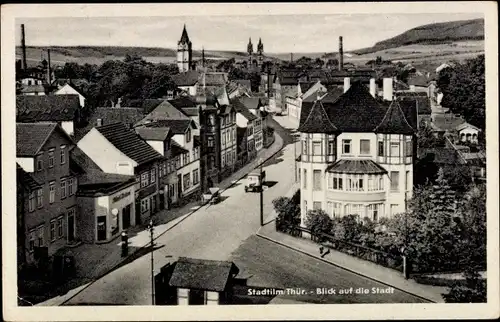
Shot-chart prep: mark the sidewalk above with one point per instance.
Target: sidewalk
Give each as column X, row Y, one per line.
column 353, row 264
column 96, row 260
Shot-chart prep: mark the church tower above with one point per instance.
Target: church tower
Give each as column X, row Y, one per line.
column 260, row 52
column 250, row 53
column 184, row 52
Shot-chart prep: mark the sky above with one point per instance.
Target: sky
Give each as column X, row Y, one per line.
column 279, row 33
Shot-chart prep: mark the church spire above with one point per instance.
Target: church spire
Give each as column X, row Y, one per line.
column 184, row 36
column 250, row 46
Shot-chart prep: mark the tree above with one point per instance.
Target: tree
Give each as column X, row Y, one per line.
column 288, row 211
column 472, row 291
column 463, row 88
column 332, row 63
column 318, row 222
column 352, row 228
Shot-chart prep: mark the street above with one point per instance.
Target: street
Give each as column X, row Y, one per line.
column 212, row 232
column 272, row 265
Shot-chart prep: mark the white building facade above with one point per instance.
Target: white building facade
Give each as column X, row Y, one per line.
column 359, row 162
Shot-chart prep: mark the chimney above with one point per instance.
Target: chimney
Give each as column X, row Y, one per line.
column 341, row 54
column 23, row 46
column 347, row 83
column 388, row 89
column 49, row 71
column 373, row 87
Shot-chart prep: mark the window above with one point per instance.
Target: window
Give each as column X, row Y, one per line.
column 39, row 163
column 40, row 231
column 331, row 147
column 355, row 209
column 39, row 198
column 355, row 183
column 394, row 149
column 99, row 122
column 407, row 181
column 70, row 187
column 51, row 158
column 394, row 180
column 223, row 137
column 409, row 148
column 63, row 189
column 336, row 209
column 393, row 209
column 364, row 146
column 186, row 180
column 210, row 141
column 381, row 183
column 32, row 237
column 63, row 154
column 196, row 177
column 52, row 191
column 60, row 225
column 188, row 135
column 52, row 230
column 337, row 181
column 380, row 148
column 304, row 146
column 346, row 146
column 374, row 211
column 160, row 170
column 330, row 182
column 305, row 206
column 153, row 175
column 144, row 180
column 144, row 205
column 31, row 203
column 317, row 205
column 317, row 180
column 177, row 162
column 305, row 179
column 316, row 148
column 223, row 162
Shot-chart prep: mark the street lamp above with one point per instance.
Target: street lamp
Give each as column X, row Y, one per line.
column 261, row 191
column 151, row 231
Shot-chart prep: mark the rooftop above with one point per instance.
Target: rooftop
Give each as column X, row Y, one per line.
column 39, row 108
column 189, row 78
column 31, row 137
column 128, row 142
column 356, row 167
column 242, row 109
column 26, row 179
column 153, row 133
column 395, row 121
column 202, row 274
column 175, row 126
column 164, row 111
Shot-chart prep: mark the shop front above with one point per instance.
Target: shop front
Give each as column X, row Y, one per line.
column 115, row 213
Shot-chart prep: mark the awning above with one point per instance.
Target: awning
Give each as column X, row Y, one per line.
column 356, row 167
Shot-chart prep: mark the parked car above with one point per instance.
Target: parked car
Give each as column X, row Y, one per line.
column 255, row 181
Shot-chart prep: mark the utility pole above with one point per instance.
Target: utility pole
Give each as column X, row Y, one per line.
column 151, row 231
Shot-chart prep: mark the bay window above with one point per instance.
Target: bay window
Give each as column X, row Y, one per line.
column 316, row 148
column 395, row 149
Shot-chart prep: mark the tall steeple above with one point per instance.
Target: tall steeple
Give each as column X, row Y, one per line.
column 260, row 47
column 250, row 47
column 184, row 52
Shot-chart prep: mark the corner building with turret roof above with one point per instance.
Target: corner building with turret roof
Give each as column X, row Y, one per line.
column 357, row 155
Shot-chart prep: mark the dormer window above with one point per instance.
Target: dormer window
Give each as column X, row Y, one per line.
column 346, row 146
column 99, row 122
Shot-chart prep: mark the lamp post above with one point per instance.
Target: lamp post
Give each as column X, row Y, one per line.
column 151, row 231
column 261, row 192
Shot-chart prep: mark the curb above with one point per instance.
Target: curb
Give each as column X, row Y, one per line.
column 336, row 265
column 170, row 228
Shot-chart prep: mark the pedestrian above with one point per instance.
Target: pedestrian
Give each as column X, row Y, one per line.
column 321, row 249
column 124, row 244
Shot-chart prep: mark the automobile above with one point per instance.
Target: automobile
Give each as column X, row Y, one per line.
column 255, row 181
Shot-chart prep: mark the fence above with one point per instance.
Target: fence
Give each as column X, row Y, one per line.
column 373, row 255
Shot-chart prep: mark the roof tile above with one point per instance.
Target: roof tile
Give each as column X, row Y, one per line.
column 34, row 108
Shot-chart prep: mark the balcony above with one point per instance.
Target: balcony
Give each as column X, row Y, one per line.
column 356, row 196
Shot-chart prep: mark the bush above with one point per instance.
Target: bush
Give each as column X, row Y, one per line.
column 474, row 290
column 318, row 222
column 288, row 212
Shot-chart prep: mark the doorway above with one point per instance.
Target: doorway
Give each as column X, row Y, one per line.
column 101, row 228
column 126, row 216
